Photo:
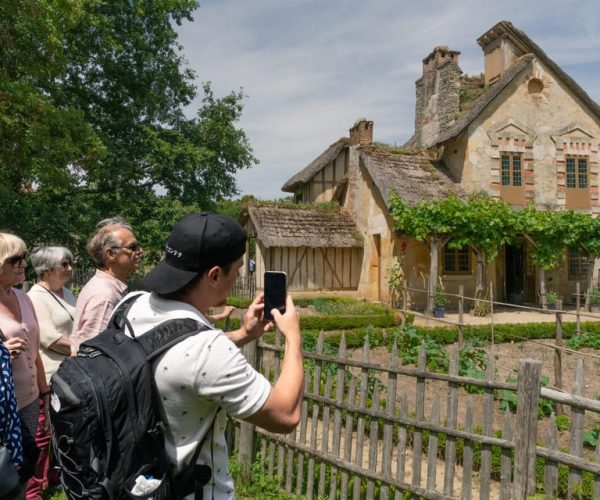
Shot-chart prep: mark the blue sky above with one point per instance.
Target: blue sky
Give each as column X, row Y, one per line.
column 310, row 68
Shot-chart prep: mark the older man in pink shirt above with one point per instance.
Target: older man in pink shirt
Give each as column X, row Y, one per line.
column 117, row 255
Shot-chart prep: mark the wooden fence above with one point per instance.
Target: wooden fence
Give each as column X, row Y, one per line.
column 245, row 287
column 373, row 430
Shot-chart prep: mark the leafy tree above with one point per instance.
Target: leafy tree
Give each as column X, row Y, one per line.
column 233, row 208
column 429, row 222
column 92, row 123
column 484, row 224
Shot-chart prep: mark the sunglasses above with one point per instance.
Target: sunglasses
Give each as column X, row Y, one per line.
column 17, row 260
column 132, row 247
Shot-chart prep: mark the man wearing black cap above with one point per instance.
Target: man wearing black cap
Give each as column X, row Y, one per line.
column 205, row 376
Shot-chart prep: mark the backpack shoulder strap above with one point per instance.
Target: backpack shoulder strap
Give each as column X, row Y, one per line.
column 167, row 334
column 118, row 320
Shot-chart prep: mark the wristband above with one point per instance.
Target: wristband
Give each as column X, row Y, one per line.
column 44, row 394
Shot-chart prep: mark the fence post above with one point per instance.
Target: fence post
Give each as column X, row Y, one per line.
column 578, row 313
column 461, row 325
column 492, row 312
column 247, row 449
column 528, row 393
column 558, row 341
column 404, row 304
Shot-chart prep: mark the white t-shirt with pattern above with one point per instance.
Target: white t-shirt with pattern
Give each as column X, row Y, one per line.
column 195, row 378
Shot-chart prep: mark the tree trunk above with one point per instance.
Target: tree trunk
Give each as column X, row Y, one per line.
column 543, row 299
column 434, row 244
column 480, row 275
column 589, row 279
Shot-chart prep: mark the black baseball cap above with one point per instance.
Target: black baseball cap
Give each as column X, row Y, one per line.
column 198, row 242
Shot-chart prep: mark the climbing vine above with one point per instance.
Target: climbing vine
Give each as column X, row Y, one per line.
column 487, row 224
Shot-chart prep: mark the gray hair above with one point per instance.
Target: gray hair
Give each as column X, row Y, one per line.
column 105, row 238
column 117, row 221
column 47, row 258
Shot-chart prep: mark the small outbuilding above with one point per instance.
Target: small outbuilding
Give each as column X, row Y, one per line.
column 318, row 248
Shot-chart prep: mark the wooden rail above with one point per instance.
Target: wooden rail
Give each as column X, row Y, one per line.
column 380, row 430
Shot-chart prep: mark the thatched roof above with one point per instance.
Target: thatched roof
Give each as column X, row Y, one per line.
column 308, row 172
column 530, row 50
column 414, row 178
column 303, row 227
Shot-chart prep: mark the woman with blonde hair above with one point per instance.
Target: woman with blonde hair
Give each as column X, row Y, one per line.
column 19, row 325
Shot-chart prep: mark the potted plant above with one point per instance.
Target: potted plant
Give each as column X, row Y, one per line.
column 551, row 298
column 439, row 302
column 594, row 299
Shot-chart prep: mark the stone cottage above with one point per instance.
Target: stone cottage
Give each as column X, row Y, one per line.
column 523, row 131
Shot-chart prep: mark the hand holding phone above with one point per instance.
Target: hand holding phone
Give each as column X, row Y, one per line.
column 275, row 293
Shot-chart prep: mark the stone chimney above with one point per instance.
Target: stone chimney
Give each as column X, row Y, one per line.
column 437, row 101
column 361, row 133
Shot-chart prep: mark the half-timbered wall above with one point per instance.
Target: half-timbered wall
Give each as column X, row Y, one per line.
column 322, row 185
column 312, row 268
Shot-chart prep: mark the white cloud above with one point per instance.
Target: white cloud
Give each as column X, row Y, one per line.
column 311, row 68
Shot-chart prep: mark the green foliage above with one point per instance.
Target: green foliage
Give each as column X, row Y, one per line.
column 439, row 296
column 563, row 423
column 594, row 296
column 481, row 222
column 487, row 224
column 482, row 307
column 472, row 362
column 552, row 297
column 508, row 400
column 336, row 322
column 348, row 307
column 239, row 302
column 591, row 437
column 587, row 338
column 233, row 207
column 92, row 117
column 409, row 342
column 394, row 148
column 261, row 486
column 53, row 494
column 395, row 279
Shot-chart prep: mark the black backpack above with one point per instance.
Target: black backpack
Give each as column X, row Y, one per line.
column 106, row 425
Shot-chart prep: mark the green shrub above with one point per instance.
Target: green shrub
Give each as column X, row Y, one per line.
column 563, row 423
column 345, row 322
column 439, row 297
column 239, row 302
column 594, row 296
column 552, row 297
column 261, row 486
column 349, row 307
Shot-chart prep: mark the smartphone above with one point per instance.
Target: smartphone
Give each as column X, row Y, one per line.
column 275, row 292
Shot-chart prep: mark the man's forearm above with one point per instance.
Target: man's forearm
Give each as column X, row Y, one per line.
column 239, row 337
column 290, row 384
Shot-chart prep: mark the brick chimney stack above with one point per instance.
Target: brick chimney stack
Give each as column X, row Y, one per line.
column 437, row 91
column 361, row 132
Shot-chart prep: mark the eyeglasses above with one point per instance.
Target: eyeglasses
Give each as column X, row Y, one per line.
column 132, row 247
column 18, row 260
column 64, row 265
